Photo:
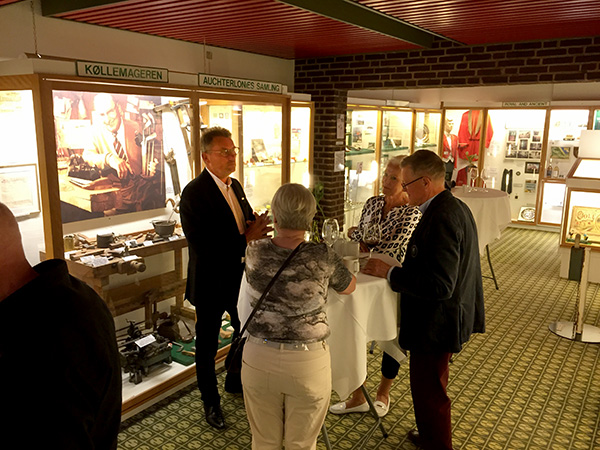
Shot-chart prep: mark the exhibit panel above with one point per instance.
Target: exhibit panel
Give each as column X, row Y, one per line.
column 19, row 168
column 512, row 159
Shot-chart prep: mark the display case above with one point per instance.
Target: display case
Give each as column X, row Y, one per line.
column 427, row 130
column 363, row 143
column 395, row 136
column 512, row 161
column 301, row 143
column 20, row 166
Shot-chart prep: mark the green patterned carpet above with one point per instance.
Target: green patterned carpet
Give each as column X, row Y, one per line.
column 518, row 386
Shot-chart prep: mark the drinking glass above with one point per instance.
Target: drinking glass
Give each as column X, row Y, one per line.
column 371, row 235
column 330, row 231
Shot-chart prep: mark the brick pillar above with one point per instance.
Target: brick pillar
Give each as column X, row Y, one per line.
column 329, row 104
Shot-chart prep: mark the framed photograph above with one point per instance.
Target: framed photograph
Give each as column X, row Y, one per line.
column 523, row 144
column 535, row 145
column 512, row 135
column 532, row 167
column 529, row 187
column 524, row 134
column 523, row 154
column 560, row 152
column 19, row 189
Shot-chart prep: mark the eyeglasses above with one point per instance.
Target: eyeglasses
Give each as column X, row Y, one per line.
column 225, row 152
column 404, row 185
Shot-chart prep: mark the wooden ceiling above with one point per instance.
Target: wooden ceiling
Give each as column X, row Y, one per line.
column 299, row 29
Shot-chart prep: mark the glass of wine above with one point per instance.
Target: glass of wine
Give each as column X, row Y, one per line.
column 371, row 235
column 330, row 231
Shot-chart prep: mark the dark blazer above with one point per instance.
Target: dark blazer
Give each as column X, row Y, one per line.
column 440, row 281
column 215, row 245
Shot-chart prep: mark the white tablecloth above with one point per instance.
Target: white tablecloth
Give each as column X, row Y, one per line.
column 369, row 313
column 491, row 211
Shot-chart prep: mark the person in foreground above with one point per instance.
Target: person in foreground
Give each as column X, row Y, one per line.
column 398, row 220
column 218, row 222
column 442, row 294
column 59, row 362
column 286, row 368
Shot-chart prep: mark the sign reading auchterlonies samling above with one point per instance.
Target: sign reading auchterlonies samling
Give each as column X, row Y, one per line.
column 243, row 84
column 122, row 72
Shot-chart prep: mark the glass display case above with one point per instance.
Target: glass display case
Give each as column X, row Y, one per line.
column 427, row 130
column 362, row 142
column 462, row 132
column 564, row 131
column 256, row 129
column 301, row 141
column 512, row 161
column 395, row 136
column 19, row 168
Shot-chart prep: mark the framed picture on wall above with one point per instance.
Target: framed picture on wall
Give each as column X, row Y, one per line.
column 532, row 167
column 19, row 189
column 523, row 144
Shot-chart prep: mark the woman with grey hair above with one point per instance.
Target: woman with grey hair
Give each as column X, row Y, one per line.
column 286, row 369
column 397, row 220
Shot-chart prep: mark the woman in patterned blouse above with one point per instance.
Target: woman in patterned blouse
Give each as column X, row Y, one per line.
column 398, row 220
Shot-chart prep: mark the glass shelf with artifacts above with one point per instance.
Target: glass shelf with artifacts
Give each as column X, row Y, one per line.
column 362, row 144
column 427, row 130
column 512, row 159
column 395, row 136
column 19, row 167
column 301, row 139
column 564, row 132
column 256, row 129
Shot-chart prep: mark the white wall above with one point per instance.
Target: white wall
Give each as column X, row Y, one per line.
column 67, row 39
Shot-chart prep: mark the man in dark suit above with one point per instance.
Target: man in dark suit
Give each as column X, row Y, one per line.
column 442, row 295
column 218, row 222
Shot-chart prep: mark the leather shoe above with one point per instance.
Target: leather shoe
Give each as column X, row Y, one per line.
column 214, row 416
column 381, row 408
column 340, row 408
column 414, row 437
column 233, row 383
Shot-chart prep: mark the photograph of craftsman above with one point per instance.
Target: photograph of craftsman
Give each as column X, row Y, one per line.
column 218, row 223
column 286, row 367
column 126, row 151
column 59, row 363
column 398, row 220
column 441, row 293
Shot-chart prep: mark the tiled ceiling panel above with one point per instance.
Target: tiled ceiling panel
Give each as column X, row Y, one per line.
column 267, row 27
column 492, row 21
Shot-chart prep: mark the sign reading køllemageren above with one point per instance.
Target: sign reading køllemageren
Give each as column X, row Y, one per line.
column 215, row 81
column 121, row 72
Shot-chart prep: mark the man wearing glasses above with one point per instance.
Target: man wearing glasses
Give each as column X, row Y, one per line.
column 442, row 295
column 218, row 222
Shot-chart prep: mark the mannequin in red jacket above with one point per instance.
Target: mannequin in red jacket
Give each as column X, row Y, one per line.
column 469, row 135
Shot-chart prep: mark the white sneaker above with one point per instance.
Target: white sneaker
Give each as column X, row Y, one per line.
column 340, row 408
column 381, row 408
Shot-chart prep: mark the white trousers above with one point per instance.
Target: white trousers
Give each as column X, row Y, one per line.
column 287, row 394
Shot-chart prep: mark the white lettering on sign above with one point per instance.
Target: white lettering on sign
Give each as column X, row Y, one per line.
column 122, row 72
column 239, row 83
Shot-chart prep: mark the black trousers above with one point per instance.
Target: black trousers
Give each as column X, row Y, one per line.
column 208, row 325
column 389, row 366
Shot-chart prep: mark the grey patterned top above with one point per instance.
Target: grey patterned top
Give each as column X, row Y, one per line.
column 396, row 228
column 293, row 311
